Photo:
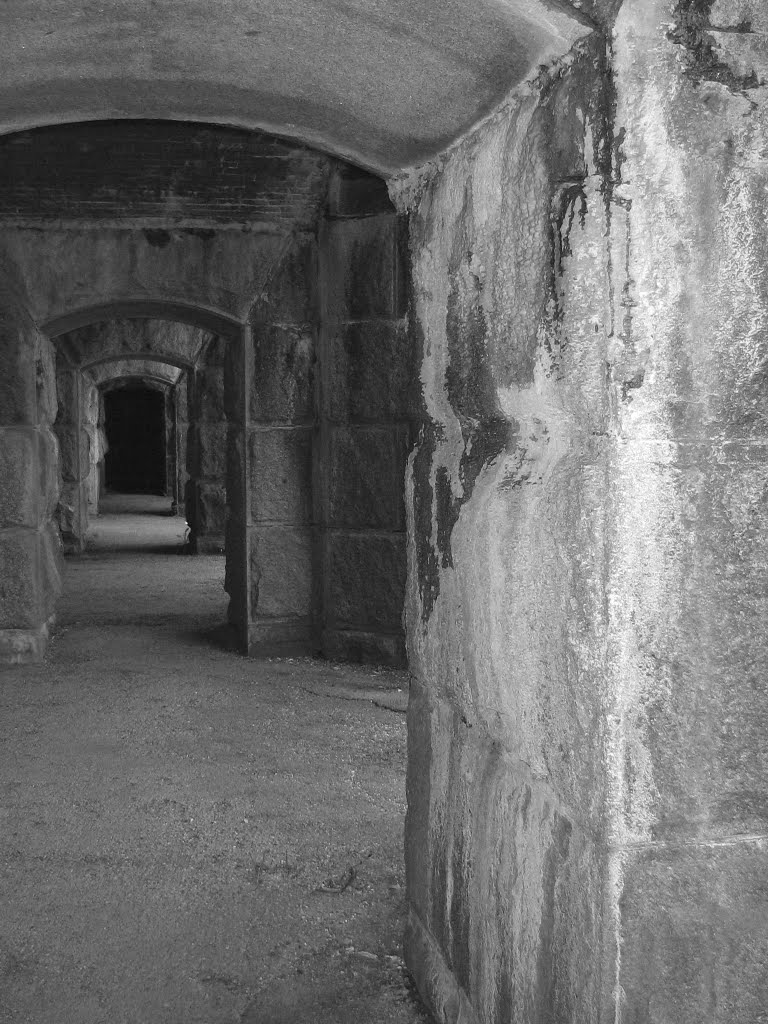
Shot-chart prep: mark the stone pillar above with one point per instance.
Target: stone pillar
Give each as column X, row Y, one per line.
column 689, row 582
column 238, row 380
column 30, row 548
column 507, row 494
column 369, row 398
column 207, row 469
column 74, row 444
column 280, row 411
column 92, row 413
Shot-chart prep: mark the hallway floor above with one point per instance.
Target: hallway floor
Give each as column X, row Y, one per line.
column 187, row 836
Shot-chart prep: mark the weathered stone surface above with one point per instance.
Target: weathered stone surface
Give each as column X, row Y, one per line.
column 283, row 375
column 20, row 580
column 74, row 453
column 18, row 394
column 211, row 439
column 366, row 473
column 281, row 637
column 373, row 374
column 507, row 499
column 67, row 386
column 368, row 647
column 48, row 463
column 361, row 278
column 209, row 389
column 366, row 580
column 695, row 934
column 50, row 569
column 280, row 572
column 19, row 479
column 527, row 950
column 212, row 509
column 355, row 193
column 280, row 467
column 291, row 297
column 45, row 381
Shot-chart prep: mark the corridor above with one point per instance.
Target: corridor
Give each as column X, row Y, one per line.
column 189, row 837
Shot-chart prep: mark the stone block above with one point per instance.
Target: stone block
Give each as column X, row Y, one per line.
column 212, row 450
column 366, row 478
column 45, row 381
column 361, row 268
column 236, row 386
column 281, row 572
column 694, row 933
column 280, row 469
column 18, row 392
column 209, row 387
column 211, row 510
column 374, row 376
column 48, row 461
column 364, row 647
column 67, row 386
column 366, row 584
column 51, row 563
column 236, row 577
column 20, row 579
column 500, row 879
column 695, row 633
column 235, row 475
column 292, row 295
column 19, row 478
column 74, row 453
column 283, row 376
column 281, row 637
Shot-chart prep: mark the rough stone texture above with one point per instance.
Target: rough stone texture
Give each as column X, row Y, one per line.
column 29, row 546
column 281, row 572
column 20, row 582
column 694, row 942
column 70, row 270
column 366, row 581
column 365, row 478
column 369, row 399
column 365, row 283
column 373, row 375
column 283, row 375
column 19, row 476
column 280, row 467
column 505, row 605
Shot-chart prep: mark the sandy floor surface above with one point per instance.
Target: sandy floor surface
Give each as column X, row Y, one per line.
column 188, row 836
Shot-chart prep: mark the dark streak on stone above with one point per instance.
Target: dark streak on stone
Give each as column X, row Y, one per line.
column 693, row 20
column 158, row 237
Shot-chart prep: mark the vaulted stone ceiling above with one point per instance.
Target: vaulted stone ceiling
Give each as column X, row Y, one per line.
column 385, row 83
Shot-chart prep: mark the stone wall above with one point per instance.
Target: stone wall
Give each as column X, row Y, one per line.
column 689, row 577
column 30, row 549
column 206, row 448
column 281, row 414
column 507, row 862
column 369, row 401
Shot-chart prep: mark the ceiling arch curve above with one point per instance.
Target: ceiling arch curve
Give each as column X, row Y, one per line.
column 385, row 85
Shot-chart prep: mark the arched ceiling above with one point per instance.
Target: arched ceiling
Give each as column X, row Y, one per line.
column 385, row 83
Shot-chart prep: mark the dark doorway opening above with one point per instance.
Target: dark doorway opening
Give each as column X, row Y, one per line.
column 134, row 419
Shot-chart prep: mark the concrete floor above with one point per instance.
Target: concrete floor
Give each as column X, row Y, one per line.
column 186, row 836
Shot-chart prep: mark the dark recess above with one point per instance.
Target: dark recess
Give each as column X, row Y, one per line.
column 135, row 427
